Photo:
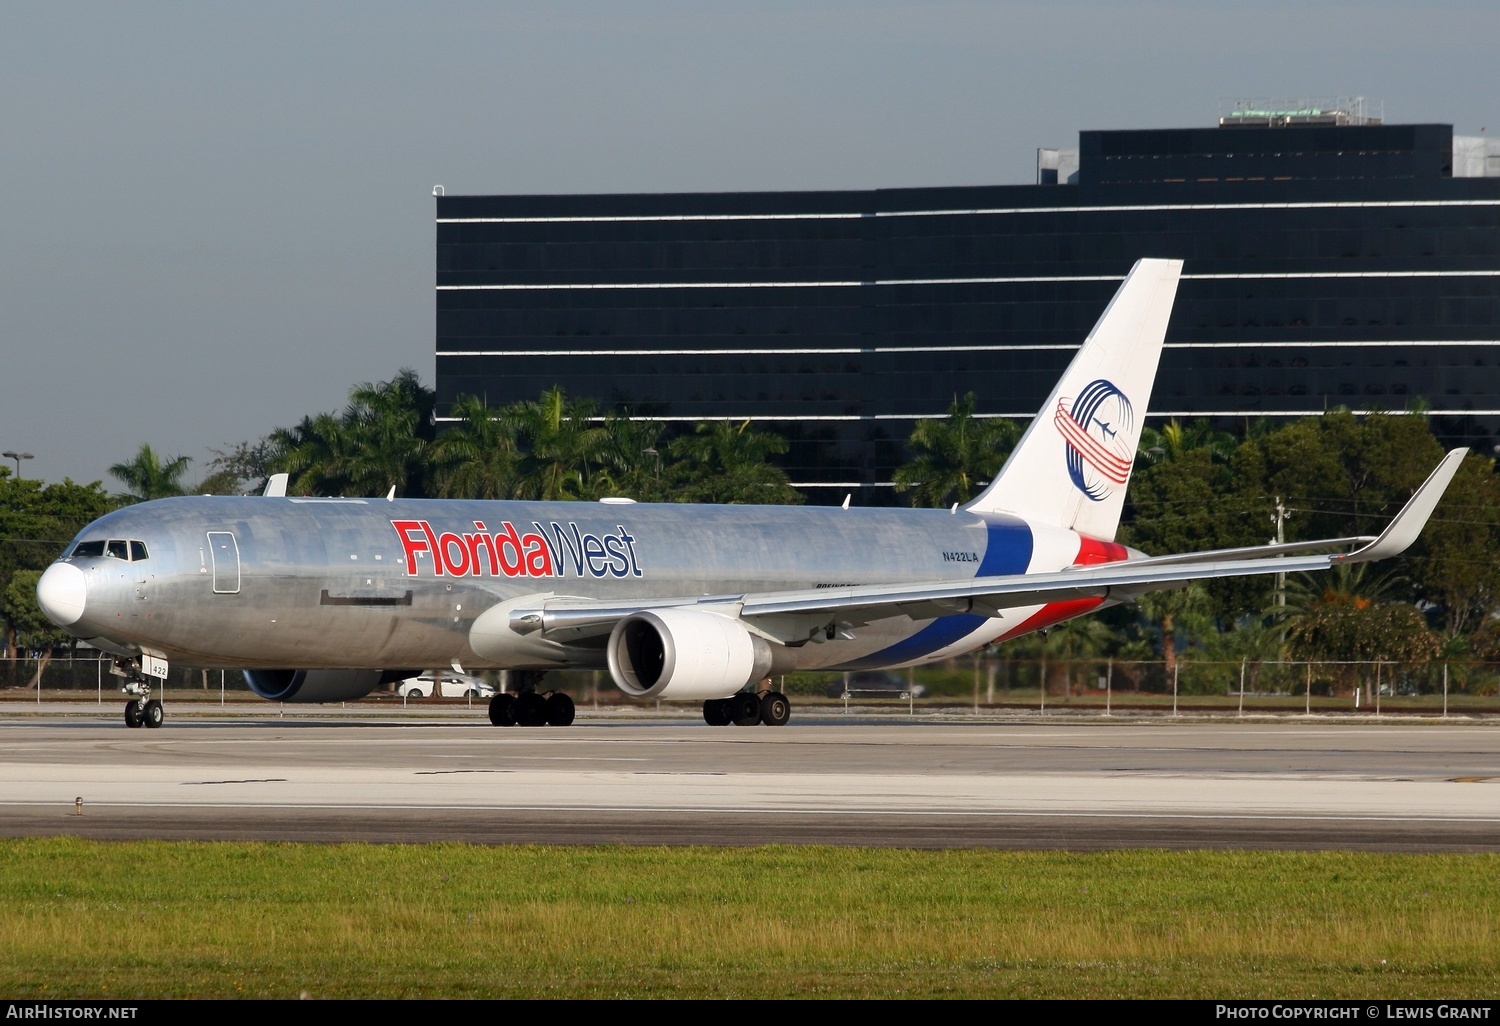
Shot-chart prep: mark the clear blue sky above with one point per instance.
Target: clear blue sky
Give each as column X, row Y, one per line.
column 215, row 218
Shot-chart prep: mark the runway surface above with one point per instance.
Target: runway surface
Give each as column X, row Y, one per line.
column 884, row 781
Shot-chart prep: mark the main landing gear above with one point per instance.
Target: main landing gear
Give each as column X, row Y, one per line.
column 530, row 707
column 748, row 708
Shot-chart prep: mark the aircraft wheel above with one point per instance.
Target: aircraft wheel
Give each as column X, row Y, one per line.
column 133, row 713
column 503, row 710
column 775, row 709
column 152, row 713
column 744, row 709
column 559, row 709
column 531, row 710
column 716, row 712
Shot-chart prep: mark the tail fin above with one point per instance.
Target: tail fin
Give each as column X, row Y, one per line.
column 1073, row 463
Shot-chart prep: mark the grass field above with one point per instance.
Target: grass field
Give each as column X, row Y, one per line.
column 157, row 919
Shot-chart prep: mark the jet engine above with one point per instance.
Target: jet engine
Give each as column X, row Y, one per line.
column 685, row 654
column 315, row 685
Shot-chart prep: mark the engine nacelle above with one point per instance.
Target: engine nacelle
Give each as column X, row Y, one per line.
column 685, row 654
column 315, row 685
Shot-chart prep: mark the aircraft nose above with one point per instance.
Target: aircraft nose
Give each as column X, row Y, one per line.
column 61, row 593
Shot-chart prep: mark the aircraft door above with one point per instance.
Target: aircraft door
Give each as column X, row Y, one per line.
column 225, row 553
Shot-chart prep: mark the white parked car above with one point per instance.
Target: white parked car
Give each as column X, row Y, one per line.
column 447, row 685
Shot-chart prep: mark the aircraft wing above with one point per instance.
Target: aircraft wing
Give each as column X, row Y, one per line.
column 789, row 616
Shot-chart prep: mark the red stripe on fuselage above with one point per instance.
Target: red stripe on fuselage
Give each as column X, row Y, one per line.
column 1050, row 614
column 1091, row 552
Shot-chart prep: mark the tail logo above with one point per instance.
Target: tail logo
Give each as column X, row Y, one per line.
column 1098, row 430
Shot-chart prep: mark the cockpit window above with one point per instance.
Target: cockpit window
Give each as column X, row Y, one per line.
column 119, row 548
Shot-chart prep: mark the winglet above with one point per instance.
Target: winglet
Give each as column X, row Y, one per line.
column 1402, row 531
column 276, row 485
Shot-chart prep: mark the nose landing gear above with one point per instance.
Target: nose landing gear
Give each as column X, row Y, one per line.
column 142, row 711
column 148, row 713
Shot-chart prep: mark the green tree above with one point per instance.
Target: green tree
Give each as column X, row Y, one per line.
column 724, row 462
column 1071, row 647
column 381, row 440
column 478, row 457
column 1336, row 470
column 1174, row 440
column 30, row 626
column 393, row 424
column 36, row 522
column 316, row 453
column 562, row 451
column 148, row 476
column 952, row 459
column 1184, row 501
column 1354, row 613
column 241, row 469
column 635, row 458
column 1174, row 610
column 1454, row 563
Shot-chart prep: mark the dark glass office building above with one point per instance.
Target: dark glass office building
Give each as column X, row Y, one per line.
column 1326, row 265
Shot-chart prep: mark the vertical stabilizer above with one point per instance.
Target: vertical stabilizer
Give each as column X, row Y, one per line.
column 1073, row 463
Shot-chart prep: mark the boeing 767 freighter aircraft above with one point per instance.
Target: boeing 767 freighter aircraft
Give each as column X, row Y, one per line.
column 323, row 599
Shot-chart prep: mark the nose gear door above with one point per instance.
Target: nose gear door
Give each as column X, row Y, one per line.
column 225, row 553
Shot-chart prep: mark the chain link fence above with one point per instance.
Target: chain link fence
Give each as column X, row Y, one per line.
column 79, row 674
column 1121, row 687
column 983, row 682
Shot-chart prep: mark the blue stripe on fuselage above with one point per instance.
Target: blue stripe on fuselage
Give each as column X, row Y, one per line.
column 1007, row 551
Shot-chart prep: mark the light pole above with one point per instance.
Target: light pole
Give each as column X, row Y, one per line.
column 18, row 457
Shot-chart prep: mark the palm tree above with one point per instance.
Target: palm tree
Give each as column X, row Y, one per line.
column 317, row 454
column 633, row 460
column 562, row 450
column 380, row 441
column 148, row 477
column 955, row 457
column 1350, row 614
column 1174, row 608
column 1071, row 642
column 725, row 462
column 393, row 421
column 1174, row 439
column 477, row 458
